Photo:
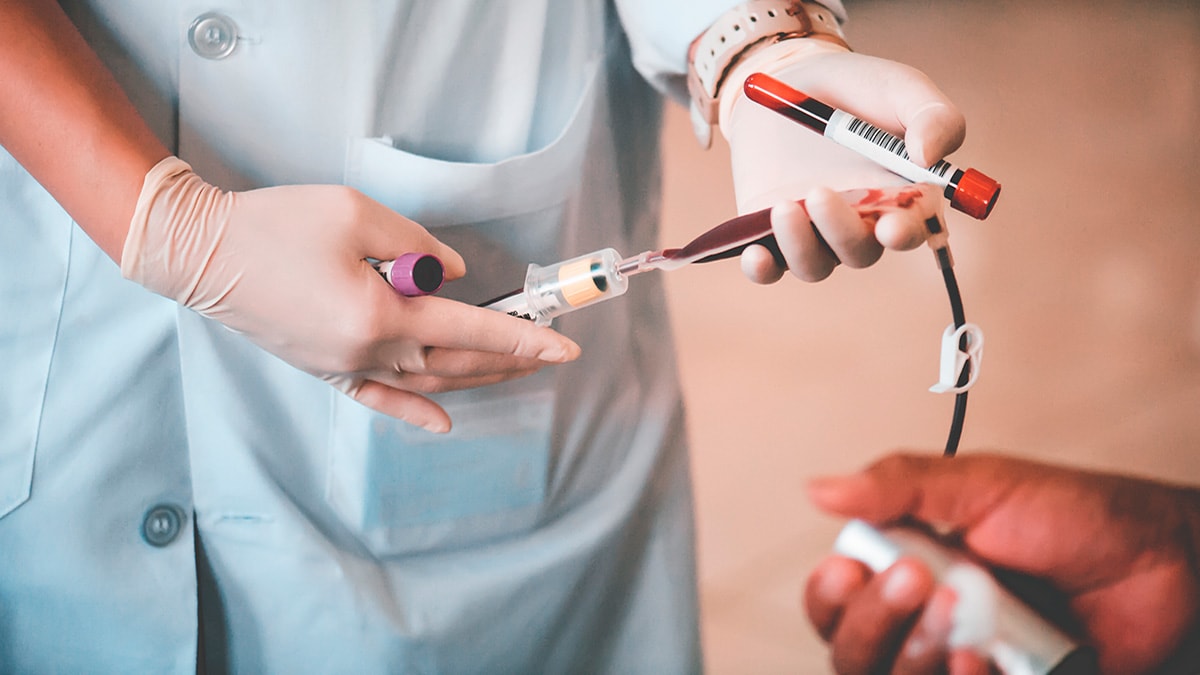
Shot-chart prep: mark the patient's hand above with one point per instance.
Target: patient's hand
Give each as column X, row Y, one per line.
column 1121, row 549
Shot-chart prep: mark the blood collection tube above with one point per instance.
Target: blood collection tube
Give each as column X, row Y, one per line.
column 968, row 190
column 413, row 274
column 564, row 287
column 1017, row 639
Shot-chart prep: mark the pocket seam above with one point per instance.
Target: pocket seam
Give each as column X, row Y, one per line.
column 23, row 483
column 474, row 192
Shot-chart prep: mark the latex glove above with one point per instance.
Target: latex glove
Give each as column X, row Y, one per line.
column 776, row 160
column 286, row 267
column 1120, row 549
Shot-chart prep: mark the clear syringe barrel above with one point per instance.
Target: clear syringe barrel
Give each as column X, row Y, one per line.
column 554, row 290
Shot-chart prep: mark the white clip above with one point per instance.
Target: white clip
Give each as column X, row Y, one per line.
column 955, row 359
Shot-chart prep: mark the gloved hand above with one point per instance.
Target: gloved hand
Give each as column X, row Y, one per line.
column 286, row 267
column 776, row 160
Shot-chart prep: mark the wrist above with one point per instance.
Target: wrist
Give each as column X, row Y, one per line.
column 772, row 60
column 735, row 36
column 169, row 210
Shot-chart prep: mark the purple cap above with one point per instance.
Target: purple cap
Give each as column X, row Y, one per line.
column 416, row 274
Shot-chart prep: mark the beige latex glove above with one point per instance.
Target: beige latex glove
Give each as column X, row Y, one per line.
column 286, row 267
column 776, row 160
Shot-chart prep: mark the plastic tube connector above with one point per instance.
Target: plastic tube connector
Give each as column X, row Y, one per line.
column 553, row 290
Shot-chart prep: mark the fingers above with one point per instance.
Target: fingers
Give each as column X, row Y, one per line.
column 431, row 345
column 384, row 235
column 460, row 363
column 808, row 257
column 481, row 329
column 829, row 588
column 903, row 229
column 827, row 230
column 925, row 649
column 844, row 231
column 398, row 394
column 759, row 265
column 875, row 621
column 999, row 505
column 426, row 383
column 440, row 322
column 893, row 96
column 402, row 405
column 965, row 662
column 395, row 330
column 935, row 129
column 932, row 489
column 898, row 621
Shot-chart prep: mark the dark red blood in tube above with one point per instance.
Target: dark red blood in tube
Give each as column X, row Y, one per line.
column 721, row 242
column 793, row 104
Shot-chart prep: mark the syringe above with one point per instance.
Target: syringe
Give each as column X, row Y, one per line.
column 564, row 287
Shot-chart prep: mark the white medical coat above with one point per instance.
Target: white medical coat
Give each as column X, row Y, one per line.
column 156, row 468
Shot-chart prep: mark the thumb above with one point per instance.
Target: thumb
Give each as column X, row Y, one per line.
column 894, row 96
column 935, row 129
column 389, row 235
column 945, row 492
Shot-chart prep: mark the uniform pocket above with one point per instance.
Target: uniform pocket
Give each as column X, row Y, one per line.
column 403, row 490
column 35, row 242
column 435, row 192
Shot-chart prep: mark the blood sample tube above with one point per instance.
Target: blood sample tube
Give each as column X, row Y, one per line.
column 968, row 190
column 413, row 274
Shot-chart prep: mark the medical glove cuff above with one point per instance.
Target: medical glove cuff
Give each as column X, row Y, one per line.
column 177, row 225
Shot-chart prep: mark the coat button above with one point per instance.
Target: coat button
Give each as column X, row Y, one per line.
column 162, row 524
column 213, row 35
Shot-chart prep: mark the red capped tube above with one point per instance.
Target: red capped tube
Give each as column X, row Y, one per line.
column 969, row 190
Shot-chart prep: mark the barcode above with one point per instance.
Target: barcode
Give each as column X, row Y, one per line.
column 890, row 143
column 879, row 137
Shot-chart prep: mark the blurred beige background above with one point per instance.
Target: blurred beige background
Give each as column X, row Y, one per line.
column 1086, row 281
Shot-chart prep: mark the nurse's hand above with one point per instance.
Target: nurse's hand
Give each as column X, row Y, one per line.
column 285, row 266
column 1122, row 551
column 776, row 160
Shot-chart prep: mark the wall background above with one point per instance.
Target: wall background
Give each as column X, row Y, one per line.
column 1084, row 280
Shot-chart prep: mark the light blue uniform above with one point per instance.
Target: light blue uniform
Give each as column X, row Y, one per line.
column 549, row 532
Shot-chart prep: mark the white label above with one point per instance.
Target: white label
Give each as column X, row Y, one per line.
column 884, row 149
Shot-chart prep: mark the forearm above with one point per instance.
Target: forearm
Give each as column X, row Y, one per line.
column 67, row 121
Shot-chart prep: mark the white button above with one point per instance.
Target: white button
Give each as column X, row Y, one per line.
column 162, row 524
column 213, row 35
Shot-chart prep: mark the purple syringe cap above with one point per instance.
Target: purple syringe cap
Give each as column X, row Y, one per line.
column 417, row 274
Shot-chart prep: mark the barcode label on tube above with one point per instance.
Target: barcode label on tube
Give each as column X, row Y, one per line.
column 883, row 148
column 879, row 137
